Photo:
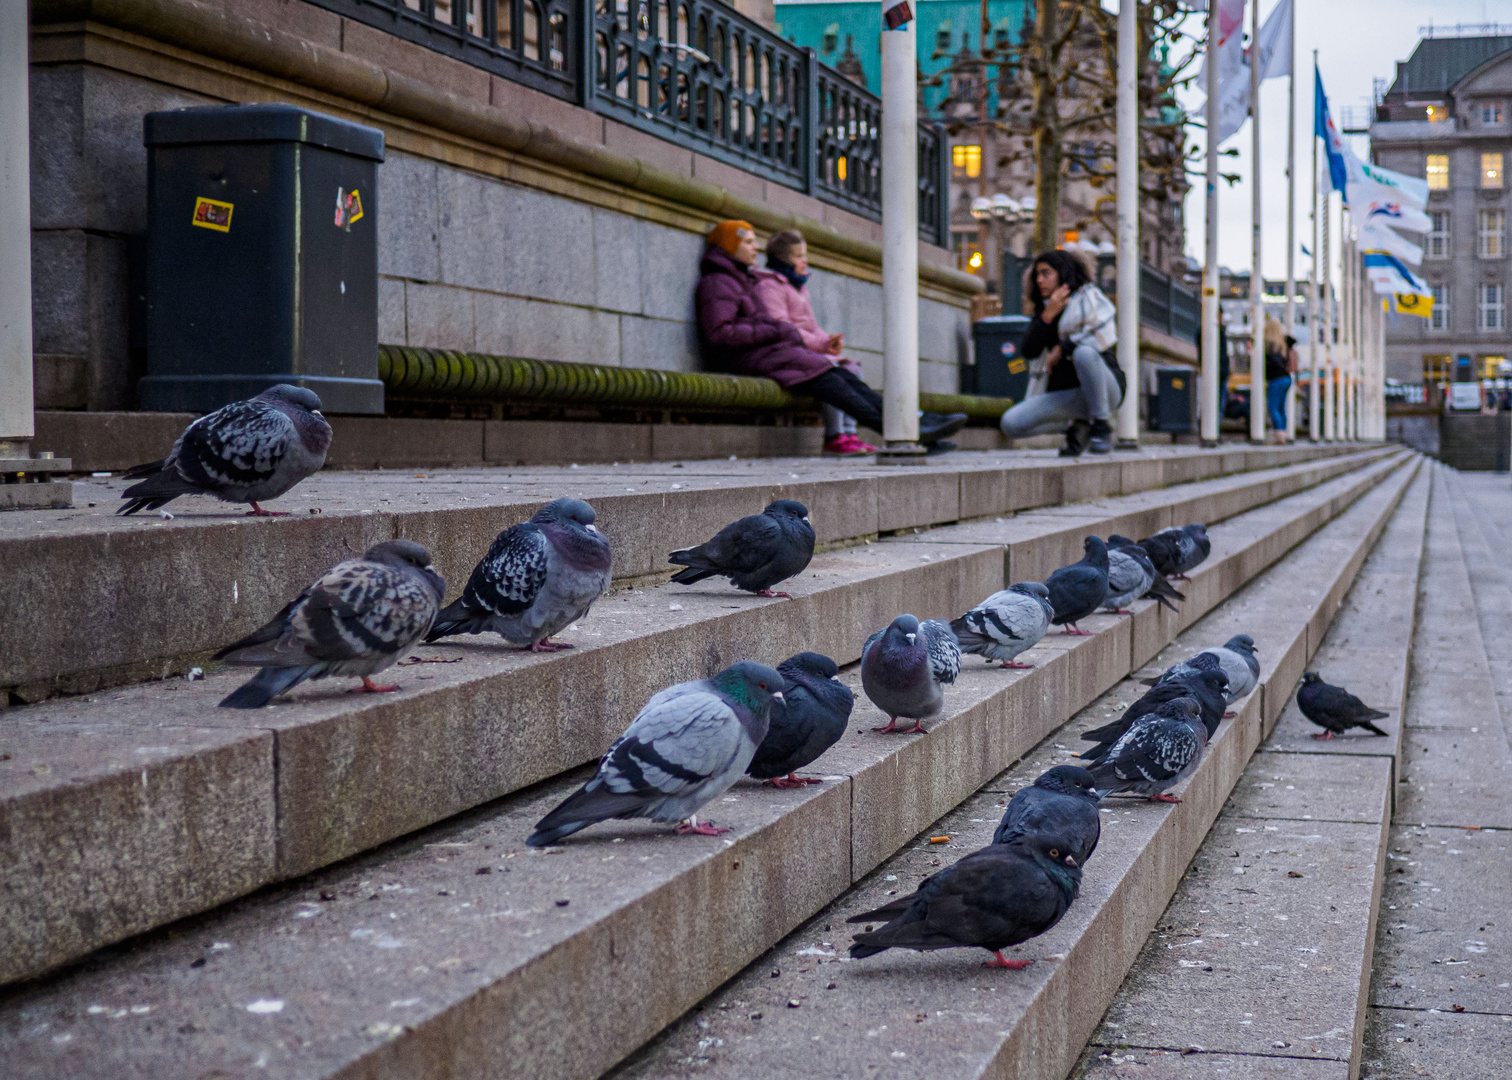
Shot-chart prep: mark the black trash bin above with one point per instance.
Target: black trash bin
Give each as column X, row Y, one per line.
column 1000, row 370
column 262, row 257
column 1175, row 402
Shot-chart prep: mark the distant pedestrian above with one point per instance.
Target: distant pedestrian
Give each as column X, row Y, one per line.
column 1074, row 329
column 782, row 289
column 1280, row 365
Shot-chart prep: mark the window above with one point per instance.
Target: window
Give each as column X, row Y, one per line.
column 1438, row 172
column 831, row 40
column 1491, row 241
column 1491, row 171
column 1491, row 366
column 942, row 37
column 1437, row 369
column 1491, row 307
column 1491, row 112
column 967, row 161
column 1439, row 320
column 1438, row 234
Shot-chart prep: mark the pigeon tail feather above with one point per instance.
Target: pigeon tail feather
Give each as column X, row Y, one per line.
column 264, row 687
column 585, row 808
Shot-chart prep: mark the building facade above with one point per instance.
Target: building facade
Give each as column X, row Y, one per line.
column 1448, row 118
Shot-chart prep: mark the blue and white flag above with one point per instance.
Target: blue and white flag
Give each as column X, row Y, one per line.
column 1390, row 276
column 1333, row 143
column 1375, row 236
column 1393, row 212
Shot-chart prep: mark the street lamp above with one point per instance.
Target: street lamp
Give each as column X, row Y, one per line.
column 1004, row 211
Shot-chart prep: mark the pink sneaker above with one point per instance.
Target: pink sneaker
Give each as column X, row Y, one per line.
column 846, row 446
column 865, row 448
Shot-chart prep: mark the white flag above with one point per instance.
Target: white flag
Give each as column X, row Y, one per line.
column 1275, row 59
column 1387, row 208
column 1230, row 44
column 1410, row 190
column 1375, row 236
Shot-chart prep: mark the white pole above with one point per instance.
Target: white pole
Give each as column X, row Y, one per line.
column 1330, row 431
column 1128, row 219
column 1291, row 215
column 900, row 238
column 1257, row 270
column 17, row 419
column 1314, row 417
column 1346, row 330
column 1210, row 248
column 1351, row 324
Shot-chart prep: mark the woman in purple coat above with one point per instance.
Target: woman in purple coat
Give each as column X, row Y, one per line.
column 739, row 337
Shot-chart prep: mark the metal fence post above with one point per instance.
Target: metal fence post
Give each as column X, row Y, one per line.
column 584, row 77
column 810, row 120
column 942, row 187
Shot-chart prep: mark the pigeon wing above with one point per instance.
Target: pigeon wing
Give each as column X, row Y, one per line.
column 509, row 578
column 238, row 445
column 1154, row 752
column 677, row 742
column 742, row 546
column 359, row 610
column 944, row 650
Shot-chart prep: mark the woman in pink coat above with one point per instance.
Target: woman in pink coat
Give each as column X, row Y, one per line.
column 782, row 292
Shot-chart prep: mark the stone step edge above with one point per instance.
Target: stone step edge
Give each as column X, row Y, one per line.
column 1408, row 523
column 56, row 580
column 1153, row 626
column 1045, row 1042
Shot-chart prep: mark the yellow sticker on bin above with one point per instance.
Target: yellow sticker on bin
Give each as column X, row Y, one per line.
column 211, row 214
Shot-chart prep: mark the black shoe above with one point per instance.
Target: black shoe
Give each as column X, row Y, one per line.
column 1101, row 441
column 1076, row 439
column 933, row 426
column 944, row 446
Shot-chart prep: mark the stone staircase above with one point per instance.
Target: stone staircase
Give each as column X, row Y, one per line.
column 339, row 886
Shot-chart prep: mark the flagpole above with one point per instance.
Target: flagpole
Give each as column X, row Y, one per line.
column 1128, row 219
column 1314, row 418
column 1346, row 320
column 1257, row 274
column 900, row 247
column 1291, row 215
column 1329, row 430
column 1209, row 381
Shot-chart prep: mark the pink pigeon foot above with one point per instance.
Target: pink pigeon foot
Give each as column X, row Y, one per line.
column 1016, row 664
column 1163, row 797
column 1230, row 714
column 1120, row 611
column 693, row 828
column 258, row 511
column 1324, row 735
column 370, row 687
column 1000, row 961
column 1076, row 632
column 792, row 780
column 1178, row 577
column 551, row 646
column 775, row 595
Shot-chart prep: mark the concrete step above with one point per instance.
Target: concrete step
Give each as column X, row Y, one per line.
column 168, row 805
column 1441, row 997
column 940, row 1015
column 1262, row 960
column 160, row 595
column 459, row 945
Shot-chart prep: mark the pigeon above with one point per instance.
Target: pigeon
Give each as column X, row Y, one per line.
column 904, row 668
column 1078, row 589
column 1236, row 657
column 1164, row 552
column 808, row 720
column 537, row 578
column 1206, row 688
column 1155, row 755
column 1181, row 548
column 1062, row 802
column 1159, row 589
column 1334, row 708
column 755, row 552
column 990, row 899
column 355, row 621
column 687, row 747
column 1006, row 623
column 245, row 452
column 1127, row 581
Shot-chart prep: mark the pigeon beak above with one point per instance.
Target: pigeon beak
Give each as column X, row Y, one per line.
column 778, row 695
column 591, row 528
column 909, row 638
column 1095, row 793
column 1070, row 860
column 317, row 412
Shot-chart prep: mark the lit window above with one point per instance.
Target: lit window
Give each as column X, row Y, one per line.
column 1438, row 172
column 963, row 240
column 1490, row 366
column 1437, row 112
column 1491, row 112
column 1491, row 171
column 942, row 37
column 1438, row 235
column 1491, row 239
column 967, row 161
column 831, row 39
column 1439, row 320
column 1491, row 306
column 1436, row 369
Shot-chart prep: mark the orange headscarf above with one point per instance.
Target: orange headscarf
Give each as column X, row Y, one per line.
column 726, row 235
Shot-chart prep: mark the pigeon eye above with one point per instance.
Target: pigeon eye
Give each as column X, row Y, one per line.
column 1054, row 854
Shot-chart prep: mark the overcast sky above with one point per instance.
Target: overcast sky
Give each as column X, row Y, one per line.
column 1357, row 41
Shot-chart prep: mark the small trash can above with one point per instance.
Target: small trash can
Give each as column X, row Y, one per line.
column 1000, row 370
column 1175, row 400
column 262, row 257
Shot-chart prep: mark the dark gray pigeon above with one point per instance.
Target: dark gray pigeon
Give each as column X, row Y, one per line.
column 245, row 452
column 808, row 720
column 1206, row 688
column 1127, row 581
column 755, row 552
column 1061, row 802
column 686, row 748
column 1006, row 623
column 1164, row 551
column 1185, row 547
column 1160, row 589
column 355, row 621
column 994, row 898
column 1334, row 709
column 537, row 578
column 1235, row 657
column 1156, row 754
column 904, row 669
column 1076, row 591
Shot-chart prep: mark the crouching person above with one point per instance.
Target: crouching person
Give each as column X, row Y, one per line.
column 1074, row 328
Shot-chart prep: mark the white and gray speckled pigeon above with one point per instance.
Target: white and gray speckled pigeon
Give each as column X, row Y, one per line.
column 1178, row 549
column 245, row 452
column 355, row 621
column 1006, row 623
column 904, row 669
column 755, row 552
column 688, row 745
column 1127, row 581
column 1159, row 589
column 1235, row 658
column 1156, row 754
column 538, row 577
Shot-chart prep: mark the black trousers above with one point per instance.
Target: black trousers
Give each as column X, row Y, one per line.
column 845, row 391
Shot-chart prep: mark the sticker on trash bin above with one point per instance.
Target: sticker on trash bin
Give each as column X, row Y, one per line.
column 1016, row 367
column 348, row 208
column 1010, row 349
column 210, row 214
column 1178, row 384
